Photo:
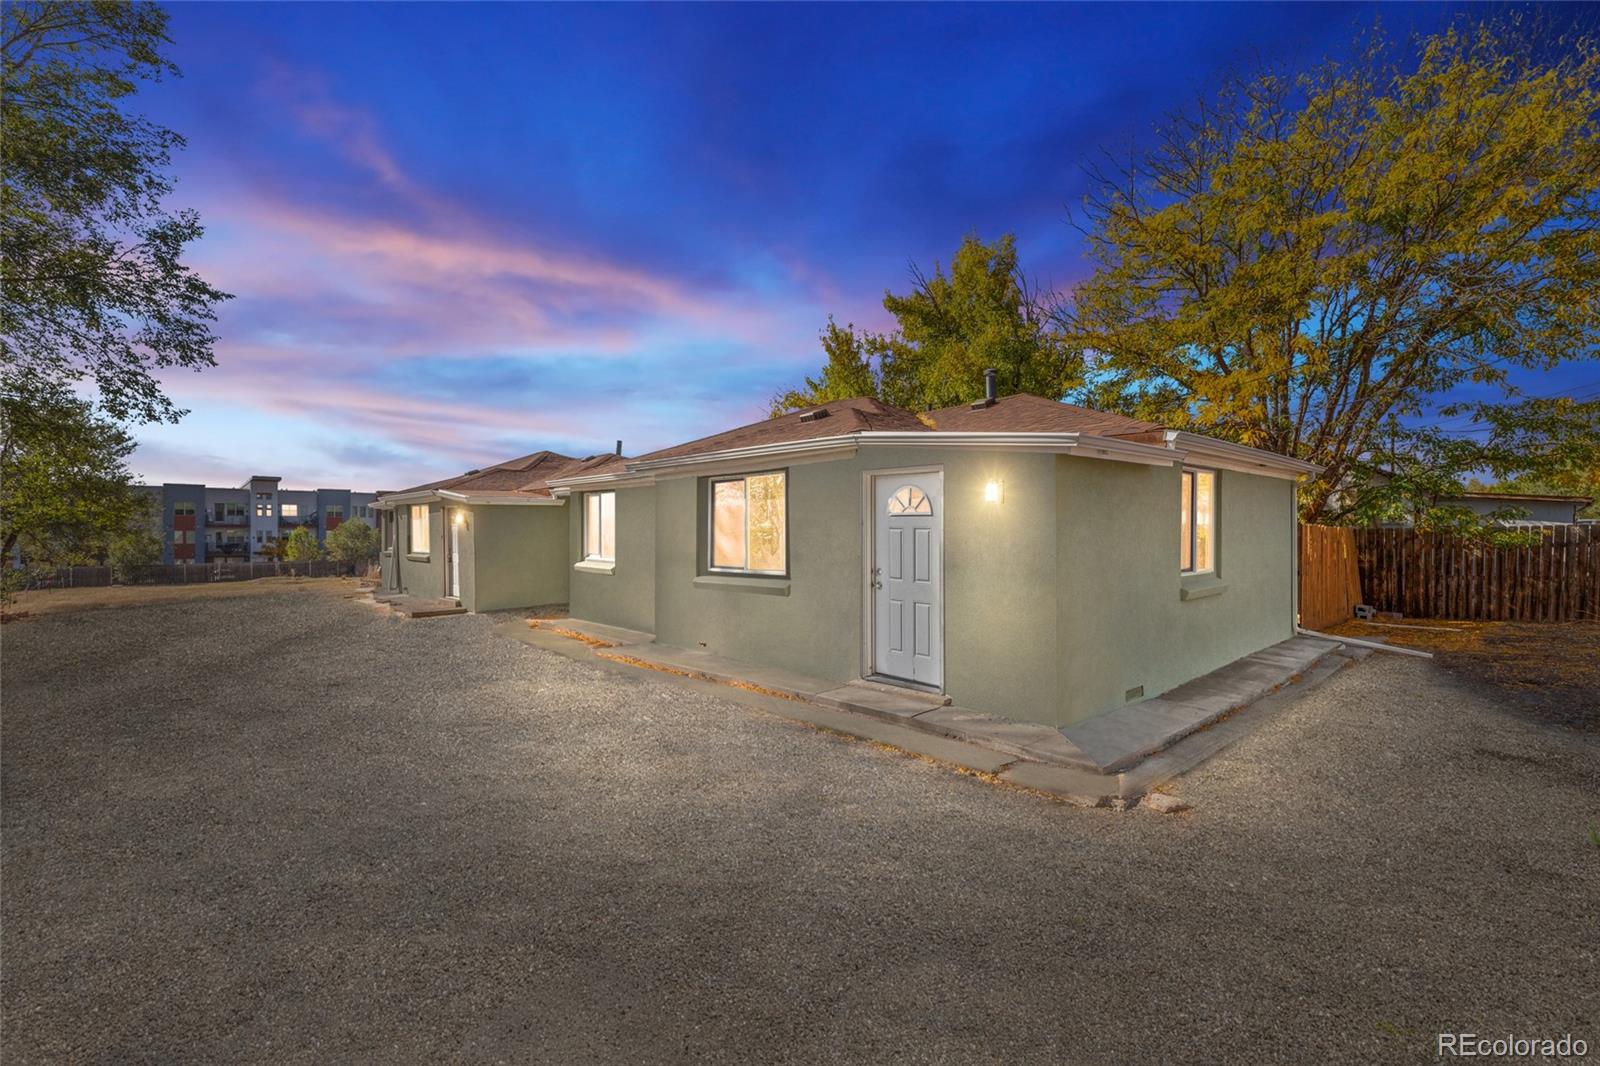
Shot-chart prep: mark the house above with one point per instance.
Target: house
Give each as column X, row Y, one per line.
column 1025, row 557
column 1531, row 509
column 492, row 538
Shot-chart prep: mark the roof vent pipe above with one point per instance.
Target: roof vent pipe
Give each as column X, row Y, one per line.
column 988, row 385
column 619, row 447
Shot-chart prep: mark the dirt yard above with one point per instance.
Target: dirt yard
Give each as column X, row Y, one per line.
column 53, row 601
column 1551, row 670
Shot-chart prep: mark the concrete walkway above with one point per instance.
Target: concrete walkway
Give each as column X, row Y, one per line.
column 418, row 607
column 1112, row 760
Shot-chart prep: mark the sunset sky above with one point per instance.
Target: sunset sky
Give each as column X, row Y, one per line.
column 462, row 233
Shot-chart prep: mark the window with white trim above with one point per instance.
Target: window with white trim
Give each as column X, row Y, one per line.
column 1197, row 554
column 600, row 526
column 418, row 544
column 748, row 523
column 289, row 510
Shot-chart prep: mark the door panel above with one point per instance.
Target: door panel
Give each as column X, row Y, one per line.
column 908, row 577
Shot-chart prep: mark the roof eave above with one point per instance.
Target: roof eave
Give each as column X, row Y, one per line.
column 1240, row 457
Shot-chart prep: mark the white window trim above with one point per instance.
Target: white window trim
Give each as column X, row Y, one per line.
column 411, row 531
column 711, row 524
column 1194, row 525
column 601, row 499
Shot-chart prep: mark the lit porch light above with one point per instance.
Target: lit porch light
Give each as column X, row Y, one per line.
column 994, row 491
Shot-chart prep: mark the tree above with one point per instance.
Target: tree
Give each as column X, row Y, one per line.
column 353, row 543
column 950, row 329
column 847, row 373
column 1312, row 264
column 301, row 546
column 91, row 280
column 132, row 549
column 64, row 482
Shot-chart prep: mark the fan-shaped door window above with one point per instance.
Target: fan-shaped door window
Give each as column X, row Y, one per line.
column 908, row 499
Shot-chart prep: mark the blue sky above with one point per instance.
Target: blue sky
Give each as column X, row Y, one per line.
column 459, row 233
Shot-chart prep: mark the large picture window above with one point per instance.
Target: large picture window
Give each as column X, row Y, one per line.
column 1197, row 555
column 600, row 526
column 419, row 530
column 749, row 523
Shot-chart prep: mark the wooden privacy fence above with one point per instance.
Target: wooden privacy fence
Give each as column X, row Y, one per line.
column 1330, row 586
column 1439, row 575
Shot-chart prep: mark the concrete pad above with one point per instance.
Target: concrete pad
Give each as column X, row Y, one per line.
column 968, row 756
column 880, row 700
column 1119, row 740
column 413, row 607
column 614, row 634
column 1075, row 786
column 990, row 729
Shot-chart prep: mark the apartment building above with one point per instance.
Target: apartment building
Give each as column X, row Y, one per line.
column 202, row 524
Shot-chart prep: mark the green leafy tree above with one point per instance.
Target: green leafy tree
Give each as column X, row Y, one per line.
column 65, row 489
column 950, row 328
column 301, row 546
column 849, row 371
column 92, row 285
column 1313, row 264
column 132, row 549
column 353, row 543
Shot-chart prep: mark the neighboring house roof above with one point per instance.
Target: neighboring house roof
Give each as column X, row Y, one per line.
column 861, row 414
column 1025, row 413
column 1523, row 497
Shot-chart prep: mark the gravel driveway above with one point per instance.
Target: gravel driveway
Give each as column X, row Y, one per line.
column 288, row 828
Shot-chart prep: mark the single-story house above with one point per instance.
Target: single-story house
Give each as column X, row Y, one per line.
column 493, row 538
column 1025, row 557
column 1530, row 509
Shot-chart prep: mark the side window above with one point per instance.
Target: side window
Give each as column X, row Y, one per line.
column 419, row 530
column 1197, row 549
column 600, row 526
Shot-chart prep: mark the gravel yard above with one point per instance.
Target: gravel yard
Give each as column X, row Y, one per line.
column 286, row 827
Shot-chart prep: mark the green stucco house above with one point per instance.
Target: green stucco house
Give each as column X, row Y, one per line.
column 1027, row 558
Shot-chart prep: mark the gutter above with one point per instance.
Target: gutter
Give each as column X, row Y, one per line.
column 846, row 444
column 1231, row 456
column 1373, row 644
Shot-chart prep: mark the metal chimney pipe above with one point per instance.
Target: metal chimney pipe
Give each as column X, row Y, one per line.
column 619, row 447
column 988, row 385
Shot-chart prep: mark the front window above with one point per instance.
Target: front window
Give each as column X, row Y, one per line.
column 1197, row 553
column 600, row 526
column 263, row 510
column 419, row 530
column 749, row 523
column 183, row 507
column 291, row 510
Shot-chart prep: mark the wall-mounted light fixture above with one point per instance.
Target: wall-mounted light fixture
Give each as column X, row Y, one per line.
column 461, row 517
column 994, row 491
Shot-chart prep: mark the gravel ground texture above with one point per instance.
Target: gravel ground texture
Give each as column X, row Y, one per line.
column 291, row 828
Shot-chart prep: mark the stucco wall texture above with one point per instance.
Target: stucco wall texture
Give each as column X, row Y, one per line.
column 1058, row 599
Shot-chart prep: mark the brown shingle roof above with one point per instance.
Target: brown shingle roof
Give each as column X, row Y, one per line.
column 524, row 476
column 1025, row 413
column 844, row 416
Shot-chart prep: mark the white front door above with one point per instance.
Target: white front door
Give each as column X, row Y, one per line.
column 451, row 520
column 908, row 577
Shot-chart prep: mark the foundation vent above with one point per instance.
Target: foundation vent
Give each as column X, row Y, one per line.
column 1135, row 693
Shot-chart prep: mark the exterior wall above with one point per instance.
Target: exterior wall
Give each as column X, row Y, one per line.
column 1550, row 511
column 627, row 596
column 421, row 575
column 1058, row 599
column 1121, row 620
column 513, row 556
column 999, row 560
column 172, row 526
